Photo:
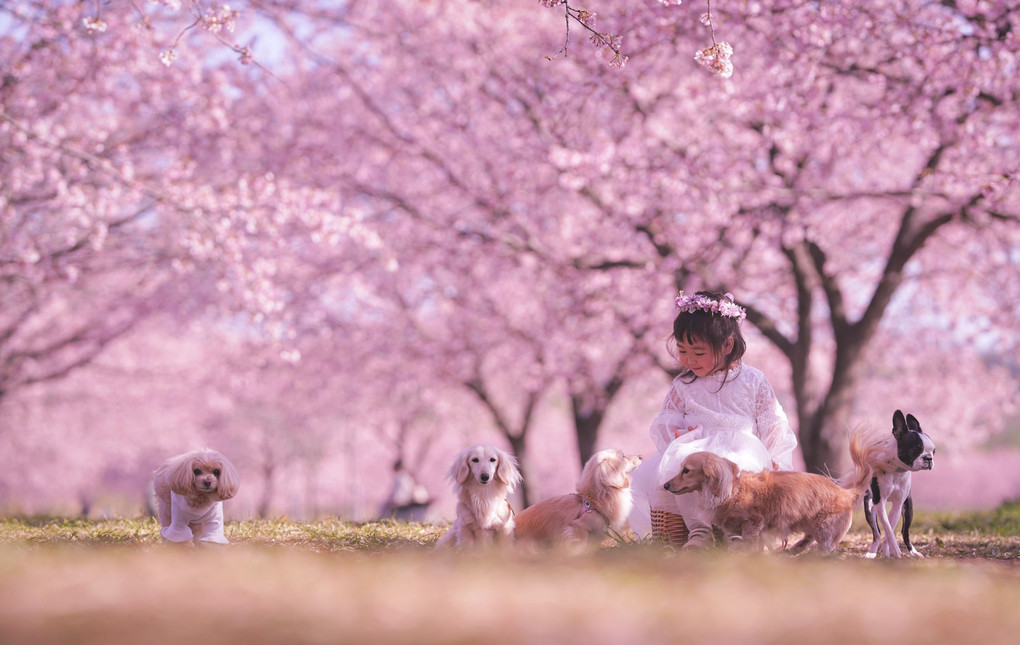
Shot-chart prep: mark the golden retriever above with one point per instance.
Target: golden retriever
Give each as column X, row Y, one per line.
column 578, row 521
column 482, row 476
column 749, row 505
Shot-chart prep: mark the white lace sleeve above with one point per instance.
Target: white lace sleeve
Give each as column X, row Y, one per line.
column 773, row 427
column 664, row 425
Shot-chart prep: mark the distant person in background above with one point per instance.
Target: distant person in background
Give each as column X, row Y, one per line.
column 408, row 500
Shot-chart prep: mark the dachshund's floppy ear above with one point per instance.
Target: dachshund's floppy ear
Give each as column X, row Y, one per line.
column 229, row 481
column 720, row 474
column 459, row 470
column 611, row 468
column 507, row 470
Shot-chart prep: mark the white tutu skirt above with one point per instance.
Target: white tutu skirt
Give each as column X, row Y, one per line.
column 647, row 482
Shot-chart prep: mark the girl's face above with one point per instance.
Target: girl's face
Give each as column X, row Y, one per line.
column 700, row 357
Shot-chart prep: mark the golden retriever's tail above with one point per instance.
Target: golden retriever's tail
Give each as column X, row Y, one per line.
column 863, row 455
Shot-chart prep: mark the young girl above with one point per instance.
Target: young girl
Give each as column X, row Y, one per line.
column 716, row 403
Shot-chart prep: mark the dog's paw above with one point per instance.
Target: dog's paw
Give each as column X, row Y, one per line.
column 914, row 553
column 871, row 556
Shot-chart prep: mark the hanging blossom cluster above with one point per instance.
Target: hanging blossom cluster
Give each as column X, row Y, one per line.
column 93, row 25
column 716, row 57
column 698, row 302
column 220, row 18
column 168, row 56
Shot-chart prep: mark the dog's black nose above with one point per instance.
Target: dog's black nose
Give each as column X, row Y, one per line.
column 484, row 479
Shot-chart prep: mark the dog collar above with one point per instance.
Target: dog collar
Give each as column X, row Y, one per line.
column 588, row 507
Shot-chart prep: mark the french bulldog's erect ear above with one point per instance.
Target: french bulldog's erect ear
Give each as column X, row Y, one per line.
column 913, row 424
column 899, row 425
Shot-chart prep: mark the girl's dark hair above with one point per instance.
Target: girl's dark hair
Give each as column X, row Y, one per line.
column 711, row 328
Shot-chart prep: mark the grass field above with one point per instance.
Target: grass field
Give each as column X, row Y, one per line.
column 110, row 582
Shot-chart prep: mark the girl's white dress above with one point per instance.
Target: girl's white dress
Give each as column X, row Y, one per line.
column 183, row 516
column 740, row 420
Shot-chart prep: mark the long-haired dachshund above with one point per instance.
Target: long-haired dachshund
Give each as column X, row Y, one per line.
column 482, row 476
column 747, row 506
column 578, row 521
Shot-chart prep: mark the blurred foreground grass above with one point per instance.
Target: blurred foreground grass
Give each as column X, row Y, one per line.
column 74, row 581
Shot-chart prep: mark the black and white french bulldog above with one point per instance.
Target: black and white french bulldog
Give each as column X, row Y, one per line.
column 891, row 485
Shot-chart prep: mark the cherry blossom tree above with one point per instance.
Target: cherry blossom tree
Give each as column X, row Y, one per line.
column 424, row 222
column 936, row 178
column 876, row 96
column 850, row 136
column 121, row 192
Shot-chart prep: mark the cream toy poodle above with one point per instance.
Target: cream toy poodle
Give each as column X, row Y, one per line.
column 190, row 489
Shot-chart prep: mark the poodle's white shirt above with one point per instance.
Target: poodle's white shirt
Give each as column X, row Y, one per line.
column 208, row 518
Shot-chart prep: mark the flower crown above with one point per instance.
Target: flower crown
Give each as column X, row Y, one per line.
column 697, row 302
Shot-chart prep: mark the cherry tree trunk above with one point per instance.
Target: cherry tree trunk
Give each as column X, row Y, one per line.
column 517, row 444
column 587, row 421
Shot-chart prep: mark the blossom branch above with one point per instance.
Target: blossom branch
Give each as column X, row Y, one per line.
column 586, row 19
column 215, row 19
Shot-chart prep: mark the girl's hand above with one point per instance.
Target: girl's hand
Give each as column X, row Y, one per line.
column 678, row 433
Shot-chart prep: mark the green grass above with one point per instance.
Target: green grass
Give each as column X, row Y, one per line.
column 1003, row 521
column 329, row 535
column 330, row 581
column 992, row 534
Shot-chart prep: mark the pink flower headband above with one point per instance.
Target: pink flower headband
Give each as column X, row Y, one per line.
column 727, row 308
